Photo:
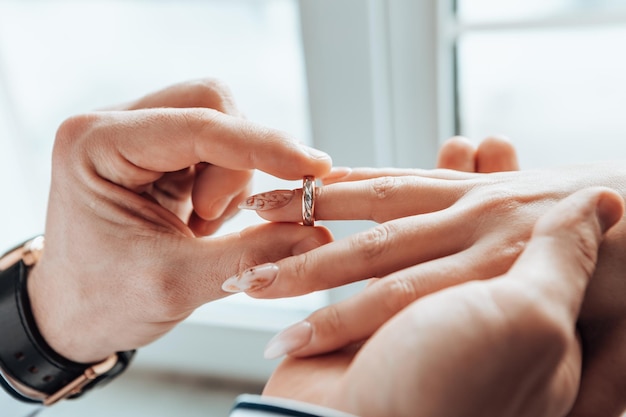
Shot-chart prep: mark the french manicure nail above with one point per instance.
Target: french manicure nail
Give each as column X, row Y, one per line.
column 289, row 340
column 268, row 200
column 251, row 279
column 315, row 153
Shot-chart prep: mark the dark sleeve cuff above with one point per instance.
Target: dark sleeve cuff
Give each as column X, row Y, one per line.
column 257, row 406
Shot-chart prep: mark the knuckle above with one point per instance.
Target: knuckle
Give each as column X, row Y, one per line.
column 199, row 124
column 301, row 267
column 503, row 252
column 494, row 197
column 328, row 324
column 260, row 139
column 69, row 135
column 485, row 204
column 384, row 187
column 72, row 129
column 213, row 93
column 373, row 243
column 397, row 293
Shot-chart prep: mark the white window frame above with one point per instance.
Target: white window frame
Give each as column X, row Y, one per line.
column 570, row 19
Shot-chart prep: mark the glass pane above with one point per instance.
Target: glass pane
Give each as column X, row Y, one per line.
column 59, row 58
column 558, row 94
column 485, row 10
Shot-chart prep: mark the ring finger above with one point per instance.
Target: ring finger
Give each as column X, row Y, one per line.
column 378, row 199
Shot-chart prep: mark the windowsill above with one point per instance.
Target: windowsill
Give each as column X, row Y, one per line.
column 156, row 394
column 221, row 340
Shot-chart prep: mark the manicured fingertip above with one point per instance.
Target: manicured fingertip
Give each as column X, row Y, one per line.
column 267, row 201
column 251, row 279
column 289, row 340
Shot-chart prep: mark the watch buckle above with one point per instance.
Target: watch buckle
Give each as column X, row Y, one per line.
column 79, row 383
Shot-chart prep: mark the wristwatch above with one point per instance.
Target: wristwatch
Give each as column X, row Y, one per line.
column 30, row 370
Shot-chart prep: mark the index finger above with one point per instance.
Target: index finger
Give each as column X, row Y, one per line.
column 133, row 148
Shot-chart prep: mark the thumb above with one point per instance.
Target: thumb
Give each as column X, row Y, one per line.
column 562, row 252
column 201, row 266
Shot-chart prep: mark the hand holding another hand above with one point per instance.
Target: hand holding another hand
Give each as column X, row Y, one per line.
column 500, row 347
column 443, row 228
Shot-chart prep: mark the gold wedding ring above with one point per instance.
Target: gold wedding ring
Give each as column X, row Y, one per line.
column 308, row 201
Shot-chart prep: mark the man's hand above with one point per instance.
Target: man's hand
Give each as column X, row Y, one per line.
column 133, row 189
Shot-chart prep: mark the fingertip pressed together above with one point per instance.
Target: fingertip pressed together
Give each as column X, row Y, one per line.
column 316, row 163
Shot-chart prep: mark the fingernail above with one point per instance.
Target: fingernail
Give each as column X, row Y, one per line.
column 314, row 153
column 268, row 200
column 251, row 279
column 289, row 340
column 306, row 245
column 337, row 173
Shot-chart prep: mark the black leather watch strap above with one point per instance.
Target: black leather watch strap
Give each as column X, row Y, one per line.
column 24, row 354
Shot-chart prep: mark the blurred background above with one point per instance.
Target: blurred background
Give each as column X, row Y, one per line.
column 372, row 82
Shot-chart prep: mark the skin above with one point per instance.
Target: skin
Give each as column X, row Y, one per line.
column 503, row 347
column 442, row 228
column 134, row 189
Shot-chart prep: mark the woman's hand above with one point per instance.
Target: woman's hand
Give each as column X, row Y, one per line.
column 442, row 228
column 132, row 190
column 504, row 347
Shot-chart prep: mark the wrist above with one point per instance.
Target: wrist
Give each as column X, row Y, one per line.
column 59, row 322
column 31, row 369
